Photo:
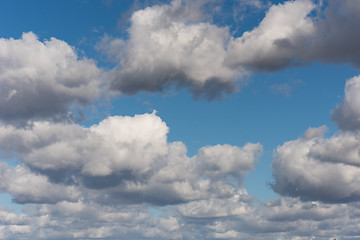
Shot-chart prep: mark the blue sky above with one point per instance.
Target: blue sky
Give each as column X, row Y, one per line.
column 183, row 119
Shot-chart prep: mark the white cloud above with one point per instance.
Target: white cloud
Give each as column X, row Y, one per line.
column 236, row 205
column 43, row 79
column 126, row 159
column 314, row 168
column 28, row 187
column 347, row 115
column 299, row 31
column 280, row 36
column 221, row 160
column 168, row 45
column 175, row 45
column 315, row 132
column 319, row 168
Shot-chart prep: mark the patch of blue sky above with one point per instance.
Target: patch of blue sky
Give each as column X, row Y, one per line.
column 7, row 202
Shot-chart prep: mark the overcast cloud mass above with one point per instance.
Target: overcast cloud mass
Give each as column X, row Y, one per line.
column 120, row 177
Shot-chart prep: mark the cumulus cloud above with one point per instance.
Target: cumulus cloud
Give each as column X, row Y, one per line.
column 85, row 182
column 280, row 36
column 221, row 160
column 126, row 159
column 315, row 132
column 27, row 187
column 236, row 216
column 347, row 115
column 43, row 79
column 336, row 39
column 319, row 168
column 169, row 45
column 297, row 32
column 175, row 45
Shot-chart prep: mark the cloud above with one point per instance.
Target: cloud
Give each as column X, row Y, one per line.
column 347, row 115
column 336, row 39
column 27, row 187
column 318, row 168
column 41, row 80
column 85, row 182
column 237, row 216
column 221, row 160
column 126, row 159
column 298, row 32
column 315, row 132
column 280, row 36
column 169, row 45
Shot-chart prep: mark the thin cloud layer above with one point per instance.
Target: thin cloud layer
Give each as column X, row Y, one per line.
column 43, row 79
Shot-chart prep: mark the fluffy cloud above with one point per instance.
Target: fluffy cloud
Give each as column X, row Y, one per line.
column 347, row 115
column 326, row 169
column 280, row 36
column 299, row 31
column 168, row 45
column 175, row 45
column 80, row 182
column 319, row 168
column 126, row 159
column 43, row 79
column 239, row 216
column 336, row 39
column 27, row 187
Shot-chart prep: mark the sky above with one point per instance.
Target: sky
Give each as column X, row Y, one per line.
column 182, row 119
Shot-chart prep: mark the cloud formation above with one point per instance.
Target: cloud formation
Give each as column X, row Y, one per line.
column 347, row 114
column 28, row 187
column 123, row 179
column 318, row 168
column 110, row 173
column 42, row 80
column 298, row 32
column 126, row 159
column 278, row 39
column 239, row 216
column 169, row 44
column 175, row 45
